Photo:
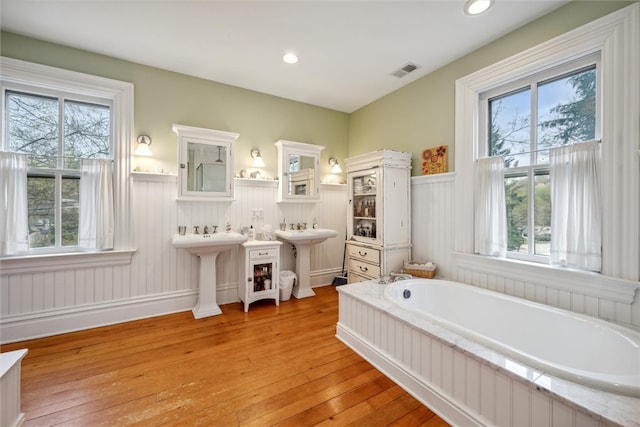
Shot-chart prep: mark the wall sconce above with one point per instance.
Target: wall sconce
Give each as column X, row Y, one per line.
column 335, row 167
column 144, row 141
column 257, row 158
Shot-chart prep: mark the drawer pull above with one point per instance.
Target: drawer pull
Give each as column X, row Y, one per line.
column 363, row 269
column 362, row 254
column 263, row 253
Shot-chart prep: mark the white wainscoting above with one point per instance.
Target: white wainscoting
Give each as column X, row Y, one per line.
column 433, row 217
column 432, row 222
column 161, row 279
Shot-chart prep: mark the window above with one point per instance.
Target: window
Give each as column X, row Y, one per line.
column 101, row 112
column 615, row 38
column 522, row 121
column 56, row 132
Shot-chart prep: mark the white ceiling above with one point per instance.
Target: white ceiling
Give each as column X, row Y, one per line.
column 348, row 49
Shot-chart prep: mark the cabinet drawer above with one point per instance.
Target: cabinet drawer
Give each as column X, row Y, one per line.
column 263, row 253
column 364, row 269
column 355, row 278
column 365, row 254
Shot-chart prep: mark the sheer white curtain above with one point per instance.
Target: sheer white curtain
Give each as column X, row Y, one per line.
column 14, row 228
column 96, row 227
column 576, row 212
column 490, row 214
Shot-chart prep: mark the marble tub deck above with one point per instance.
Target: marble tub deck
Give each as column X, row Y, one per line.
column 607, row 407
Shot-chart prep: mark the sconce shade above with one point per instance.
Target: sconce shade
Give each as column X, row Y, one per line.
column 257, row 158
column 335, row 167
column 143, row 149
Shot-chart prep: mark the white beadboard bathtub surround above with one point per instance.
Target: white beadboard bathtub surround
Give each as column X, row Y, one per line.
column 433, row 202
column 464, row 382
column 156, row 278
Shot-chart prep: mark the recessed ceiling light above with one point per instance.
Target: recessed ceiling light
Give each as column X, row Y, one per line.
column 476, row 7
column 290, row 58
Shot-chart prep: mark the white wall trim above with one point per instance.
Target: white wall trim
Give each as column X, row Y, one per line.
column 250, row 182
column 582, row 282
column 154, row 177
column 57, row 321
column 324, row 277
column 63, row 261
column 433, row 179
column 333, row 187
column 617, row 38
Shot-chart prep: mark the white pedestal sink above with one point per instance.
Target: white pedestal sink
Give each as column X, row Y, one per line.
column 303, row 239
column 207, row 247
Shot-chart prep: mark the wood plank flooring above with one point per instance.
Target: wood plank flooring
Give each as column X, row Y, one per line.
column 271, row 366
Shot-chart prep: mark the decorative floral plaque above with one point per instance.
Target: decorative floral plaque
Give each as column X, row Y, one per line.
column 434, row 160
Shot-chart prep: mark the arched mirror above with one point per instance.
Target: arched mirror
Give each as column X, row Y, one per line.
column 205, row 163
column 298, row 171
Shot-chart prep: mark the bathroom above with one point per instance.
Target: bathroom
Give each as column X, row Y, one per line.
column 155, row 278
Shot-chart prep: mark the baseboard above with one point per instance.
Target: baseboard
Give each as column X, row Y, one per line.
column 324, row 277
column 429, row 396
column 53, row 322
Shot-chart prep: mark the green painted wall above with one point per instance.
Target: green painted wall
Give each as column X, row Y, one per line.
column 163, row 98
column 417, row 116
column 421, row 114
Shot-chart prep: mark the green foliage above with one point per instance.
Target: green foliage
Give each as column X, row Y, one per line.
column 571, row 120
column 516, row 200
column 33, row 127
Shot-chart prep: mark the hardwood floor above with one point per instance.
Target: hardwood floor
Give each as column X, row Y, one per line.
column 271, row 366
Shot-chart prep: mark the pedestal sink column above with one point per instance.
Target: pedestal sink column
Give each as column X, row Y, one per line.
column 207, row 302
column 207, row 247
column 303, row 240
column 303, row 270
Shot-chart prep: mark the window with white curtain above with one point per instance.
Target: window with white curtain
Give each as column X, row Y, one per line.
column 57, row 132
column 520, row 122
column 74, row 130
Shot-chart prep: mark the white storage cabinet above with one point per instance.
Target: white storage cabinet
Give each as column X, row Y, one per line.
column 379, row 214
column 259, row 275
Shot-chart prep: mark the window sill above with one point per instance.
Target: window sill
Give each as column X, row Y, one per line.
column 583, row 282
column 67, row 261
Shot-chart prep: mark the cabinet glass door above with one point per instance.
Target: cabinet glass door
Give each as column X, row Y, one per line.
column 364, row 190
column 262, row 276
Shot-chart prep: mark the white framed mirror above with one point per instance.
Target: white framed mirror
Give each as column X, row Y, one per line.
column 205, row 163
column 298, row 171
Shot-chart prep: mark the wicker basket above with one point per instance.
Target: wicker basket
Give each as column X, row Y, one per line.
column 417, row 269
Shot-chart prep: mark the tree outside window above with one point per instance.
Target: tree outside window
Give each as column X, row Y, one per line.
column 523, row 125
column 56, row 133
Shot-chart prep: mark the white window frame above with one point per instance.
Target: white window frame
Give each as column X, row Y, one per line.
column 533, row 81
column 21, row 75
column 617, row 39
column 58, row 171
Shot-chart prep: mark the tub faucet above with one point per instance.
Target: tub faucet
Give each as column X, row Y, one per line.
column 206, row 230
column 399, row 276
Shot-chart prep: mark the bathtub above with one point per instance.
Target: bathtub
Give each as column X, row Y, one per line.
column 478, row 358
column 578, row 348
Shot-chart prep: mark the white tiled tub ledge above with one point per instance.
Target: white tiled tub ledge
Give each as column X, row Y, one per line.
column 463, row 380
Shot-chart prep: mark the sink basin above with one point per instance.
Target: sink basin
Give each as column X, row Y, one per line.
column 203, row 243
column 303, row 240
column 306, row 237
column 207, row 247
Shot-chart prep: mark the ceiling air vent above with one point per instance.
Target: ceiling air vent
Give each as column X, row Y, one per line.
column 405, row 70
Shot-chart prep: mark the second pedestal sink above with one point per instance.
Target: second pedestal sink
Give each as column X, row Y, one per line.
column 303, row 239
column 207, row 247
